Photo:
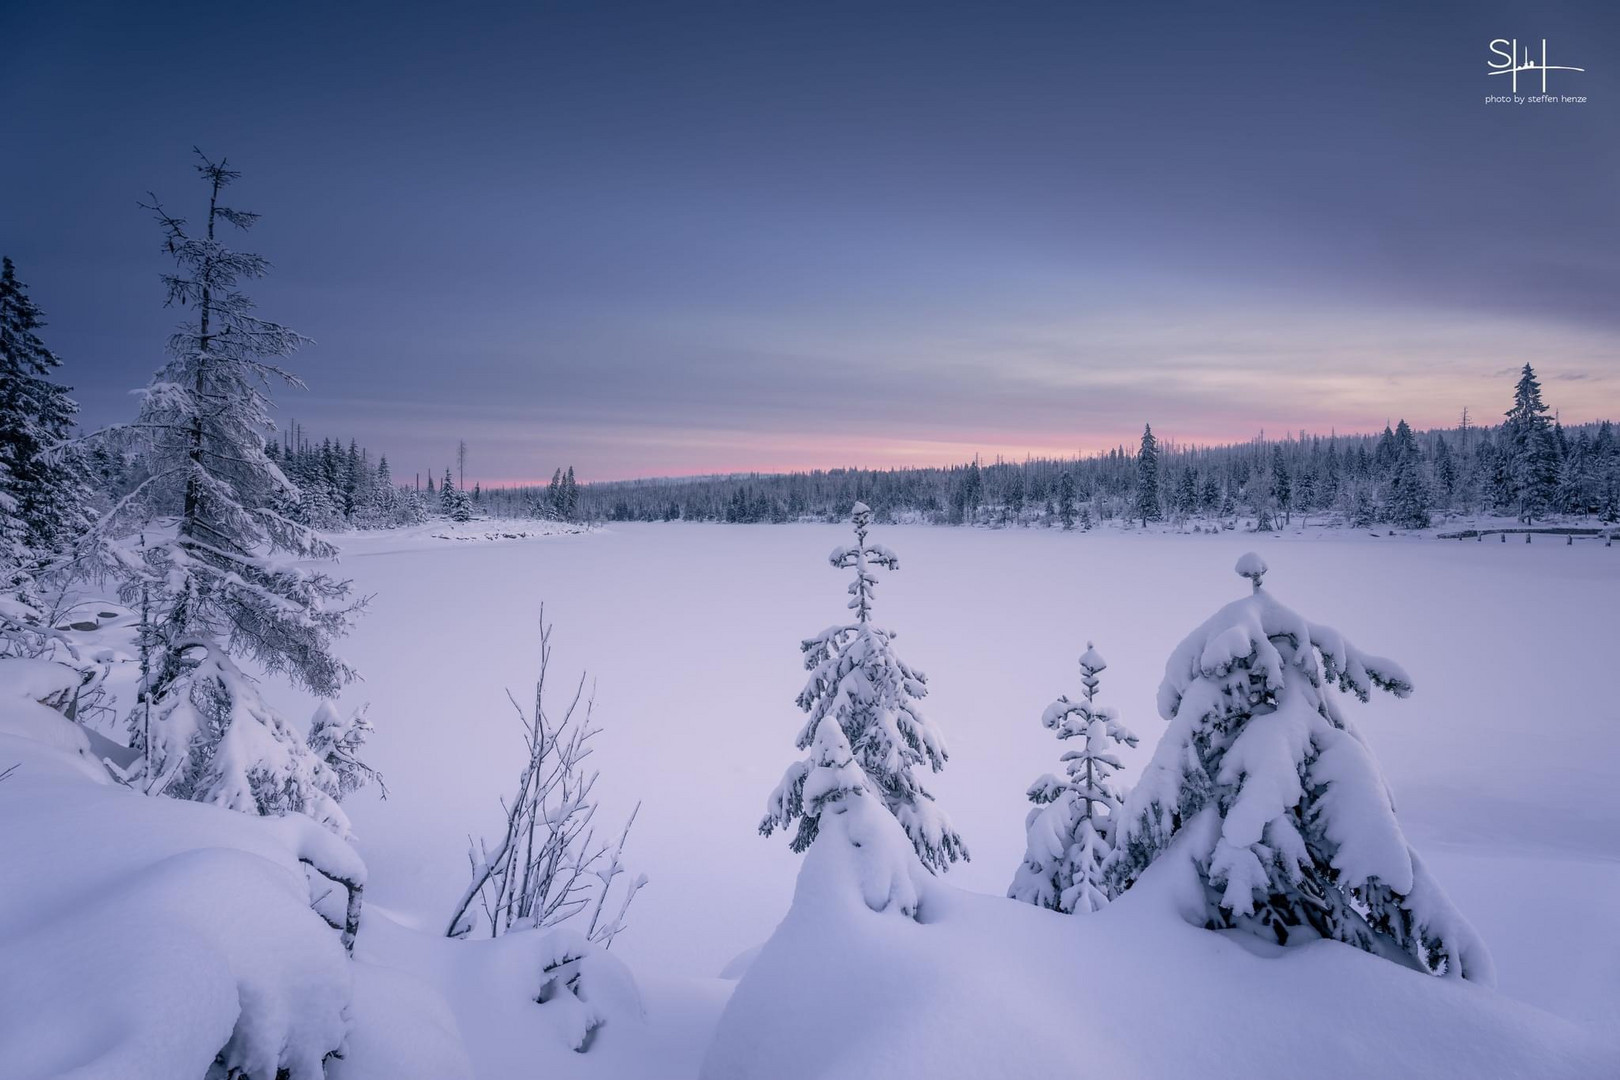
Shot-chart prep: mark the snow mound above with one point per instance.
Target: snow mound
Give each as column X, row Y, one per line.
column 148, row 937
column 984, row 987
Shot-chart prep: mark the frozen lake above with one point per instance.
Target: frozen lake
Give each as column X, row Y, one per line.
column 1503, row 761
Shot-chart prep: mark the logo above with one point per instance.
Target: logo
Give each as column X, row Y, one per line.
column 1513, row 60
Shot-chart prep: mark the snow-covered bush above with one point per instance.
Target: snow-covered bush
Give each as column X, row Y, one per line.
column 1069, row 831
column 1292, row 827
column 549, row 866
column 865, row 735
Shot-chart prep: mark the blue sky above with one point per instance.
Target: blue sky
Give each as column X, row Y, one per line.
column 672, row 238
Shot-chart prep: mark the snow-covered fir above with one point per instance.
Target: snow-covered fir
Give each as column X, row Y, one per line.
column 1264, row 781
column 1070, row 828
column 865, row 735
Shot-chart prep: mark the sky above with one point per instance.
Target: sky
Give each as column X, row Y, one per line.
column 672, row 238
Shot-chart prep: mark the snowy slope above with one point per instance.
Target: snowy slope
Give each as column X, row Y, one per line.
column 991, row 987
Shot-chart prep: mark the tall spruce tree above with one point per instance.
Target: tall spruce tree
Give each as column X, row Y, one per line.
column 865, row 735
column 1280, row 804
column 224, row 573
column 43, row 483
column 1069, row 831
column 1408, row 493
column 1532, row 450
column 1147, row 477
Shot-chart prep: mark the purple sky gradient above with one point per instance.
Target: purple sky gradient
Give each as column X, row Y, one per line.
column 667, row 239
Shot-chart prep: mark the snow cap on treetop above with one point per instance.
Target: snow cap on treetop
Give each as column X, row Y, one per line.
column 1092, row 658
column 1251, row 566
column 858, row 509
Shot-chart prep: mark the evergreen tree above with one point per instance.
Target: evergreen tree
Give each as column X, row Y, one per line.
column 222, row 581
column 570, row 496
column 1147, row 478
column 1065, row 502
column 1069, row 831
column 1015, row 497
column 453, row 502
column 1408, row 494
column 1283, row 811
column 1532, row 451
column 1282, row 485
column 46, row 492
column 865, row 735
column 1445, row 473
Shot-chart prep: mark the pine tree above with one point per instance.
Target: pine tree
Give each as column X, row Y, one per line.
column 570, row 496
column 224, row 581
column 44, row 484
column 1065, row 502
column 1147, row 478
column 453, row 502
column 1069, row 831
column 1282, row 485
column 1279, row 802
column 1531, row 450
column 865, row 735
column 1408, row 494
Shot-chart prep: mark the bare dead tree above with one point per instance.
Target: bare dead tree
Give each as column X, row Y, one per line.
column 548, row 864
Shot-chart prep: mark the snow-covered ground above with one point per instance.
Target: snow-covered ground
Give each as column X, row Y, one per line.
column 1501, row 762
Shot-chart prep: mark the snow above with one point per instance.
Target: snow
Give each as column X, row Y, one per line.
column 992, row 615
column 154, row 934
column 1500, row 763
column 984, row 987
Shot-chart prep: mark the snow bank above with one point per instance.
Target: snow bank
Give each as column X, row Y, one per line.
column 143, row 937
column 985, row 987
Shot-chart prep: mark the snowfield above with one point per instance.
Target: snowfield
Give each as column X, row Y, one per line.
column 1501, row 762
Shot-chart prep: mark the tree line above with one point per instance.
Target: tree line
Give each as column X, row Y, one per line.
column 1529, row 466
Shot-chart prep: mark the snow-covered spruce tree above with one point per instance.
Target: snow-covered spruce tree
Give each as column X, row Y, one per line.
column 1532, row 453
column 1069, row 831
column 1065, row 499
column 1147, row 478
column 865, row 736
column 44, row 484
column 223, row 573
column 1268, row 789
column 1408, row 493
column 1277, row 800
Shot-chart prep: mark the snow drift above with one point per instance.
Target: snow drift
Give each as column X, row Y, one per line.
column 981, row 986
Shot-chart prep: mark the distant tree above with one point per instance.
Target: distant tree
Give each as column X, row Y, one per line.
column 1408, row 494
column 1445, row 473
column 1069, row 831
column 1531, row 449
column 1065, row 499
column 1280, row 804
column 570, row 496
column 1147, row 478
column 865, row 736
column 1015, row 497
column 1282, row 484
